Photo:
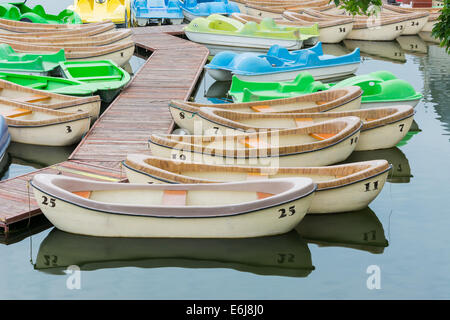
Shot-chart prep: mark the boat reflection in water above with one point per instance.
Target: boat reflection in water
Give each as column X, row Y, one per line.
column 413, row 44
column 426, row 36
column 218, row 92
column 413, row 130
column 400, row 172
column 359, row 230
column 4, row 164
column 38, row 156
column 335, row 49
column 378, row 50
column 284, row 255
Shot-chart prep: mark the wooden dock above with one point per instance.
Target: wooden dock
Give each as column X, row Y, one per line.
column 141, row 109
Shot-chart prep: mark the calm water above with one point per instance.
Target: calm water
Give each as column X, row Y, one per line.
column 404, row 232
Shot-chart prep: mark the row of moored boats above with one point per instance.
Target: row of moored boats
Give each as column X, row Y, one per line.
column 251, row 168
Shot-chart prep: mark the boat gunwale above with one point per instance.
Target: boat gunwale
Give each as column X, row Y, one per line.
column 73, row 52
column 289, row 195
column 351, row 93
column 60, row 116
column 324, row 23
column 344, row 134
column 394, row 114
column 139, row 164
column 67, row 101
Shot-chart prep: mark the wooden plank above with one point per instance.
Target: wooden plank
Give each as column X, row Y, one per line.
column 141, row 109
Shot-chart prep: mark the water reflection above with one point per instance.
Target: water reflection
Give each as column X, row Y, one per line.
column 378, row 50
column 335, row 49
column 413, row 130
column 25, row 229
column 361, row 230
column 218, row 92
column 400, row 172
column 436, row 70
column 38, row 156
column 413, row 44
column 426, row 36
column 284, row 255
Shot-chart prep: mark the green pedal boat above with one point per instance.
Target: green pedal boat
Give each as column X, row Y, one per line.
column 380, row 89
column 246, row 91
column 51, row 84
column 104, row 77
column 219, row 32
column 18, row 11
column 28, row 63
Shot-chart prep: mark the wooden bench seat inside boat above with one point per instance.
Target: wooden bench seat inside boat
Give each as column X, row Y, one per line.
column 14, row 113
column 32, row 98
column 254, row 143
column 262, row 108
column 83, row 194
column 174, row 197
column 322, row 136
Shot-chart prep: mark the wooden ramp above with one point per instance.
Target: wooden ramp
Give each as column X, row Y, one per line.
column 141, row 109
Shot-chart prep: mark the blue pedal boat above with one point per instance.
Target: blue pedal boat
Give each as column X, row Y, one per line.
column 146, row 12
column 5, row 138
column 203, row 8
column 281, row 65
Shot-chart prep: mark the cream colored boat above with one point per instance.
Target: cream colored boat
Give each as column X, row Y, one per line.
column 233, row 210
column 331, row 30
column 185, row 113
column 268, row 9
column 107, row 38
column 415, row 23
column 432, row 14
column 74, row 31
column 382, row 127
column 44, row 99
column 340, row 188
column 120, row 53
column 39, row 126
column 319, row 144
column 284, row 255
column 52, row 27
column 369, row 28
column 428, row 37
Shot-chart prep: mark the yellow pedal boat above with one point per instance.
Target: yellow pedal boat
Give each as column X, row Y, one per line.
column 117, row 11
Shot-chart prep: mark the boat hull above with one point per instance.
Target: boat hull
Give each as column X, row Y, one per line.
column 322, row 157
column 58, row 134
column 93, row 108
column 350, row 197
column 66, row 216
column 335, row 34
column 414, row 26
column 189, row 120
column 242, row 42
column 384, row 137
column 120, row 57
column 372, row 104
column 318, row 73
column 378, row 33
